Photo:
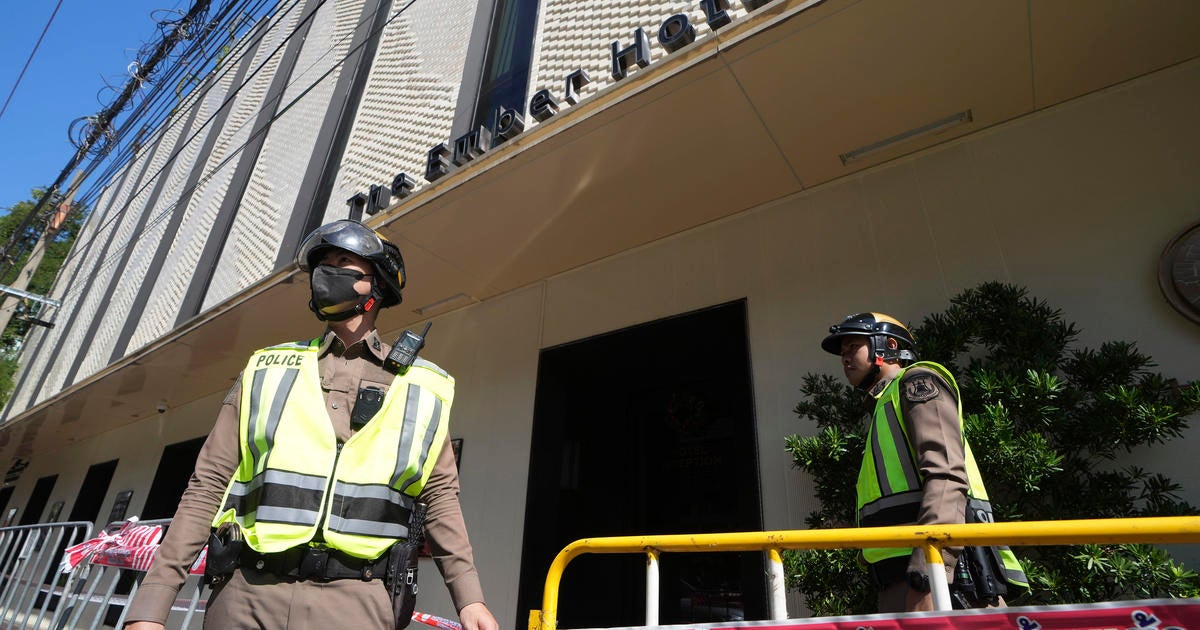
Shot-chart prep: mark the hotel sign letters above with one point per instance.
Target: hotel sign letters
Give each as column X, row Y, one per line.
column 675, row 33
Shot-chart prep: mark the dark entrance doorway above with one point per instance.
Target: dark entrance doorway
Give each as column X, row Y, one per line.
column 647, row 430
column 37, row 500
column 5, row 494
column 92, row 492
column 171, row 479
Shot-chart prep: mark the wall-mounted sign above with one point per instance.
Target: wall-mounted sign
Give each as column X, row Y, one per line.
column 55, row 511
column 675, row 33
column 14, row 471
column 120, row 506
column 1179, row 273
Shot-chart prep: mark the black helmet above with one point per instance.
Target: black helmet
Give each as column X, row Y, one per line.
column 876, row 327
column 359, row 239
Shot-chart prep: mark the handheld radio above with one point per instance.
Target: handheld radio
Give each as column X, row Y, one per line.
column 404, row 351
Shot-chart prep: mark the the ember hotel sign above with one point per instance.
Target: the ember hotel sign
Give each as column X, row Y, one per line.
column 675, row 33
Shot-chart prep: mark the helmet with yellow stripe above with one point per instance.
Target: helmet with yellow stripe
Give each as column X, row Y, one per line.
column 877, row 328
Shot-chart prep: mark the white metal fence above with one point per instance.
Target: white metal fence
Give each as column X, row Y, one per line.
column 36, row 594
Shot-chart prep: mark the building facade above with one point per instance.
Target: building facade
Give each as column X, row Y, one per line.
column 630, row 224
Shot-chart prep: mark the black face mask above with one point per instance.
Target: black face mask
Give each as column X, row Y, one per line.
column 333, row 294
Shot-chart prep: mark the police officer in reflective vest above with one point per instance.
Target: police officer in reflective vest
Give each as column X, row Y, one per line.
column 318, row 459
column 917, row 467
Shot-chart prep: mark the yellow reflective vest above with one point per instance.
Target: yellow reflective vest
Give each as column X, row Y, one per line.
column 890, row 482
column 294, row 477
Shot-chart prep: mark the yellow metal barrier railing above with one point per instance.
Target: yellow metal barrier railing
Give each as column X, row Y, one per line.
column 1168, row 529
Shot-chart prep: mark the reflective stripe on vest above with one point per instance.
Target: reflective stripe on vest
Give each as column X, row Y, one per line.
column 283, row 489
column 889, row 481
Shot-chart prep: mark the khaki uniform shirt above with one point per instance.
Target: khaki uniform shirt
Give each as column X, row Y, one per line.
column 935, row 431
column 343, row 371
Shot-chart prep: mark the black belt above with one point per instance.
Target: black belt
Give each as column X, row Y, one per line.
column 314, row 563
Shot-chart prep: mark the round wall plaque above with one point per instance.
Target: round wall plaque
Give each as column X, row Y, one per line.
column 1179, row 273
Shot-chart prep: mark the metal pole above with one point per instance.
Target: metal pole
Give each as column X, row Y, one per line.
column 936, row 570
column 15, row 292
column 777, row 586
column 651, row 587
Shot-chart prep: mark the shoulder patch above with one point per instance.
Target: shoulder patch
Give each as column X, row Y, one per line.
column 920, row 388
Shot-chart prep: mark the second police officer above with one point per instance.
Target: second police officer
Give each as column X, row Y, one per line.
column 917, row 467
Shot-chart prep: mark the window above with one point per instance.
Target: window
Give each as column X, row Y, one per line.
column 506, row 67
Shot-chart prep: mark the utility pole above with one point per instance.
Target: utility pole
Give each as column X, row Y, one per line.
column 21, row 282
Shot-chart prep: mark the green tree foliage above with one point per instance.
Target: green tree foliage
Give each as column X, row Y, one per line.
column 40, row 283
column 1047, row 422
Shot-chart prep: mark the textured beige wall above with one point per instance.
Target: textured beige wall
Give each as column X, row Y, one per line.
column 408, row 103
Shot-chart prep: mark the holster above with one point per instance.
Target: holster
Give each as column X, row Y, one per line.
column 401, row 579
column 225, row 546
column 979, row 574
column 988, row 585
column 977, row 582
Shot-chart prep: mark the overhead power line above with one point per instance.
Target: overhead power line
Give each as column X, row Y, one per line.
column 233, row 153
column 104, row 119
column 163, row 101
column 158, row 108
column 152, row 103
column 30, row 59
column 167, row 93
column 231, row 48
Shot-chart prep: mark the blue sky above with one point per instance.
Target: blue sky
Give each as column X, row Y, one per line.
column 88, row 42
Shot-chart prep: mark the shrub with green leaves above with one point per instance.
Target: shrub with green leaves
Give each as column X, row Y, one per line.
column 1047, row 421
